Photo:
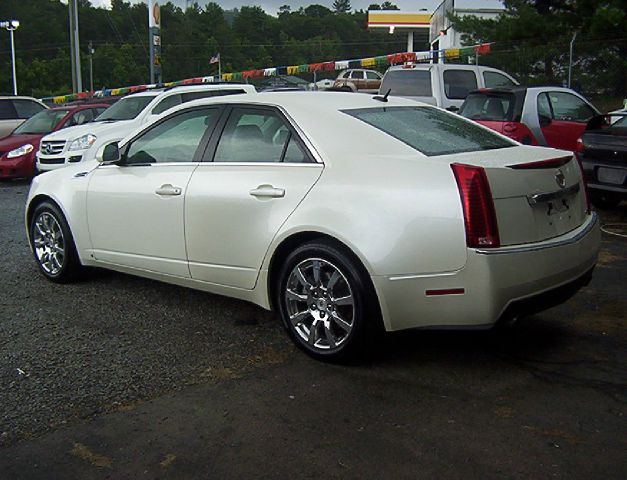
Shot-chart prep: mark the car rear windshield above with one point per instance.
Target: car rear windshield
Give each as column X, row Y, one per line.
column 496, row 107
column 126, row 109
column 407, row 83
column 42, row 122
column 430, row 130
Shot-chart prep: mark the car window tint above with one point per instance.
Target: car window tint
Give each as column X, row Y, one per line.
column 459, row 83
column 411, row 83
column 98, row 111
column 167, row 103
column 569, row 107
column 544, row 108
column 27, row 108
column 431, row 131
column 493, row 107
column 189, row 96
column 42, row 122
column 7, row 111
column 372, row 76
column 357, row 74
column 293, row 152
column 493, row 79
column 80, row 117
column 252, row 135
column 174, row 140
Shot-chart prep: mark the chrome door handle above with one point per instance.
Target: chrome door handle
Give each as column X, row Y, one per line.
column 168, row 190
column 267, row 191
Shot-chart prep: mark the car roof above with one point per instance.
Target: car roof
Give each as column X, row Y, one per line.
column 514, row 89
column 196, row 88
column 18, row 97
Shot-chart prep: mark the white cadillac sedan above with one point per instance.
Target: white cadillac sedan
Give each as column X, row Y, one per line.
column 344, row 213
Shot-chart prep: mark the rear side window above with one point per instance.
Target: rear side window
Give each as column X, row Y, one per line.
column 372, row 76
column 409, row 83
column 27, row 108
column 493, row 80
column 166, row 104
column 357, row 74
column 459, row 83
column 429, row 130
column 7, row 111
column 492, row 107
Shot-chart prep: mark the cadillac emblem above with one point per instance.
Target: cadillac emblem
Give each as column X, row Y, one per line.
column 560, row 179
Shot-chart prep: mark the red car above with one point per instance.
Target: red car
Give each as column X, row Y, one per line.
column 17, row 151
column 547, row 116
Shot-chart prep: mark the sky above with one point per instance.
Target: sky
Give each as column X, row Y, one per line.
column 272, row 6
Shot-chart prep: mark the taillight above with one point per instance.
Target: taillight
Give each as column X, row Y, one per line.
column 584, row 184
column 479, row 214
column 579, row 146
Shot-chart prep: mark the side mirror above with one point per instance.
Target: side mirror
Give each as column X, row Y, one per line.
column 110, row 154
column 545, row 121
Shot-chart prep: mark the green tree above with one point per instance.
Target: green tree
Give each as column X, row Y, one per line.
column 342, row 6
column 388, row 6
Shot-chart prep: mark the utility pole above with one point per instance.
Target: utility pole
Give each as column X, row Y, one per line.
column 91, row 66
column 11, row 26
column 570, row 58
column 77, row 81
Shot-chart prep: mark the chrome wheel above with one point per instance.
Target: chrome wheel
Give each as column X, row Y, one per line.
column 320, row 304
column 48, row 243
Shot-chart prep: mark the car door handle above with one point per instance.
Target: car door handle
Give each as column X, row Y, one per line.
column 267, row 191
column 168, row 190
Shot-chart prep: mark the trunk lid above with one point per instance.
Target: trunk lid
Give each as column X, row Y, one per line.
column 534, row 200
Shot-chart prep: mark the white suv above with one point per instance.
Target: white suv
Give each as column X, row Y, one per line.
column 80, row 143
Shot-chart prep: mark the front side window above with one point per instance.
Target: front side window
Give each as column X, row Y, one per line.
column 126, row 109
column 431, row 131
column 357, row 75
column 493, row 80
column 569, row 107
column 407, row 83
column 459, row 83
column 42, row 122
column 173, row 140
column 257, row 135
column 27, row 108
column 544, row 108
column 372, row 76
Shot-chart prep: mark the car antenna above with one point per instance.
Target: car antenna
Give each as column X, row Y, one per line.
column 383, row 98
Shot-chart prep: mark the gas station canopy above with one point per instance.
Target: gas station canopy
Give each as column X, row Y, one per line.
column 405, row 22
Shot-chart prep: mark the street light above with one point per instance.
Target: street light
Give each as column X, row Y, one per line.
column 11, row 26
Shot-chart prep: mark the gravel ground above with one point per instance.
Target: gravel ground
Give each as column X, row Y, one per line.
column 127, row 378
column 110, row 340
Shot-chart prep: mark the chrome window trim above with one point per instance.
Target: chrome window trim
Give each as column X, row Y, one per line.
column 592, row 223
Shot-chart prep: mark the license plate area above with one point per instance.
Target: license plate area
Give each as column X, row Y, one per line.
column 613, row 176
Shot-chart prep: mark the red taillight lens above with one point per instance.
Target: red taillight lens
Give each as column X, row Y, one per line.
column 584, row 184
column 479, row 214
column 579, row 146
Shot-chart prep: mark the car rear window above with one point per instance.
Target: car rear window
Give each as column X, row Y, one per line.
column 409, row 83
column 496, row 107
column 429, row 130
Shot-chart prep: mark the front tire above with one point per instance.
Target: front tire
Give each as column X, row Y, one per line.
column 53, row 245
column 326, row 302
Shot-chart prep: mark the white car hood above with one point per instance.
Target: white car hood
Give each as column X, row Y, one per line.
column 96, row 128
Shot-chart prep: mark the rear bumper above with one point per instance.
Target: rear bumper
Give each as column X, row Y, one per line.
column 590, row 168
column 496, row 283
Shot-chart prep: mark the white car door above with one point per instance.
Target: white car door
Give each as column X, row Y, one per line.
column 257, row 172
column 135, row 209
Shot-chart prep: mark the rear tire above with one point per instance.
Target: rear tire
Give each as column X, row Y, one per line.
column 53, row 245
column 327, row 302
column 605, row 200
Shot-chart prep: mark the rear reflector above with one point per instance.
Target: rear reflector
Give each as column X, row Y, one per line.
column 479, row 214
column 552, row 163
column 446, row 291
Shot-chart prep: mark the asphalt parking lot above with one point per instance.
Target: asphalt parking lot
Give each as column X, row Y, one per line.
column 119, row 377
